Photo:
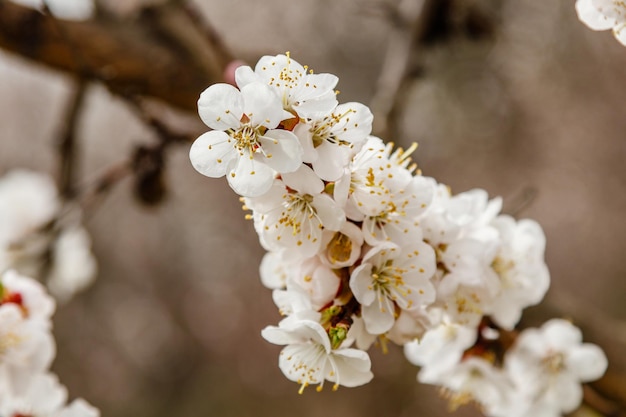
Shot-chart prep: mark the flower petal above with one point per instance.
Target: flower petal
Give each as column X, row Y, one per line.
column 250, row 177
column 221, row 106
column 213, row 154
column 262, row 105
column 282, row 150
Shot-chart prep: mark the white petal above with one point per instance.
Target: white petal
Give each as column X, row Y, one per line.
column 244, row 75
column 282, row 150
column 592, row 17
column 331, row 160
column 262, row 105
column 561, row 334
column 378, row 316
column 360, row 282
column 250, row 177
column 330, row 214
column 213, row 154
column 304, row 180
column 588, row 362
column 352, row 368
column 221, row 106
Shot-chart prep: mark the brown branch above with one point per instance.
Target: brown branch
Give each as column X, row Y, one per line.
column 129, row 58
column 67, row 142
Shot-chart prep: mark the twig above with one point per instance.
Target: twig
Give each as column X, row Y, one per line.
column 67, row 142
column 127, row 58
column 410, row 17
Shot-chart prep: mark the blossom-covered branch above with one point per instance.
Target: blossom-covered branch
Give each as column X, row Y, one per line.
column 363, row 247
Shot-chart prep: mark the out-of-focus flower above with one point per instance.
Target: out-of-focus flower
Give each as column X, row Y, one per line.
column 40, row 237
column 548, row 365
column 63, row 9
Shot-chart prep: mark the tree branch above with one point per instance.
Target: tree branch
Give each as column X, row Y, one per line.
column 129, row 58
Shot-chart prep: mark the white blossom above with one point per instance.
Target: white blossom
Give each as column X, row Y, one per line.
column 548, row 365
column 300, row 90
column 293, row 214
column 245, row 144
column 389, row 277
column 330, row 142
column 309, row 358
column 603, row 15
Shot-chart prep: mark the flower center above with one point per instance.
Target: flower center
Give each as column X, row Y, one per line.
column 339, row 248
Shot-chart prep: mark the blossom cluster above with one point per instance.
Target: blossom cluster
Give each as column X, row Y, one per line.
column 27, row 348
column 40, row 237
column 363, row 249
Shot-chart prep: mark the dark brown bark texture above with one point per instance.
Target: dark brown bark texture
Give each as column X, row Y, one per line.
column 162, row 54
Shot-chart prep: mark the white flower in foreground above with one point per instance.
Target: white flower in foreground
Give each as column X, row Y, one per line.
column 362, row 189
column 292, row 215
column 343, row 247
column 548, row 365
column 398, row 223
column 245, row 144
column 300, row 91
column 331, row 141
column 315, row 279
column 389, row 277
column 310, row 359
column 603, row 15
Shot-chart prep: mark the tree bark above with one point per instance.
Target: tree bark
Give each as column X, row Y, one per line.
column 163, row 55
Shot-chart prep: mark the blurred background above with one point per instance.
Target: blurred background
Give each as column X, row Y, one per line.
column 518, row 98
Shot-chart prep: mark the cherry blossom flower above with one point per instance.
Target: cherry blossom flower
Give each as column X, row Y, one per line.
column 399, row 221
column 547, row 366
column 391, row 276
column 330, row 141
column 362, row 189
column 245, row 144
column 292, row 215
column 299, row 89
column 309, row 358
column 603, row 15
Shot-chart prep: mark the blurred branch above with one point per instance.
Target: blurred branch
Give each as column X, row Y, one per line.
column 417, row 25
column 410, row 18
column 67, row 142
column 163, row 55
